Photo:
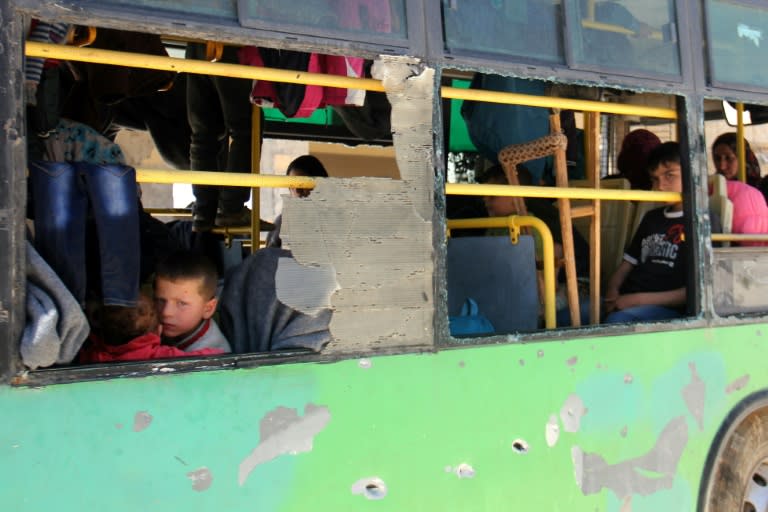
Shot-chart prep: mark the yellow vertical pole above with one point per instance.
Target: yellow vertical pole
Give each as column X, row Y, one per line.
column 255, row 169
column 591, row 10
column 592, row 168
column 740, row 149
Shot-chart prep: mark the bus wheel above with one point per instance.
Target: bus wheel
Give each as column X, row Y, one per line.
column 738, row 479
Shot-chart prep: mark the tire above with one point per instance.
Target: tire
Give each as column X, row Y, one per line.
column 738, row 471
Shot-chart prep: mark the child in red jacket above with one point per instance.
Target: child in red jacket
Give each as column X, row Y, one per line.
column 131, row 334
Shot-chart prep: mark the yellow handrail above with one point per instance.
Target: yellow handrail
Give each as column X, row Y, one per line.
column 232, row 179
column 139, row 60
column 514, row 223
column 97, row 56
column 739, row 237
column 476, row 189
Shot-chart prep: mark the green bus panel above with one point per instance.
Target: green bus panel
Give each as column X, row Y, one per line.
column 610, row 424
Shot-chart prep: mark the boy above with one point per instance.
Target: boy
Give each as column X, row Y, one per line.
column 185, row 301
column 650, row 284
column 131, row 334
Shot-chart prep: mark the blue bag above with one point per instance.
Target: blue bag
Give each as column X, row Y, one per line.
column 469, row 321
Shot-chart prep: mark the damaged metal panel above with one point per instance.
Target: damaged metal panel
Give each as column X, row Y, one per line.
column 740, row 280
column 12, row 191
column 376, row 233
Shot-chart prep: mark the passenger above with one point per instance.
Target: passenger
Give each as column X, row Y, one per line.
column 650, row 284
column 219, row 113
column 544, row 209
column 632, row 160
column 305, row 165
column 727, row 163
column 185, row 300
column 131, row 334
column 750, row 211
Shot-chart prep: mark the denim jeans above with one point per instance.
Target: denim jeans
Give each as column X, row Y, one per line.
column 62, row 193
column 219, row 113
column 647, row 313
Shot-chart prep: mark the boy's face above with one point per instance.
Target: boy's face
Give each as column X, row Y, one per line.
column 668, row 177
column 299, row 192
column 181, row 306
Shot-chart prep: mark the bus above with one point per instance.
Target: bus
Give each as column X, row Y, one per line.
column 394, row 412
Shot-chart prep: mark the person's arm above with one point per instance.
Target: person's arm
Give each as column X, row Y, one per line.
column 614, row 284
column 674, row 297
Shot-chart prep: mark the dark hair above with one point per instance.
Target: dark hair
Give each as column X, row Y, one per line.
column 309, row 165
column 666, row 153
column 496, row 174
column 752, row 165
column 120, row 324
column 632, row 160
column 190, row 265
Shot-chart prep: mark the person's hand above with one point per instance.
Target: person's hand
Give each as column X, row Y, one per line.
column 625, row 301
column 609, row 300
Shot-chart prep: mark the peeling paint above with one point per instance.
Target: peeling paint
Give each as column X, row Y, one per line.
column 737, row 384
column 642, row 475
column 540, row 354
column 365, row 363
column 141, row 420
column 571, row 412
column 372, row 488
column 626, row 504
column 201, row 479
column 628, row 378
column 283, row 431
column 552, row 431
column 694, row 395
column 572, row 361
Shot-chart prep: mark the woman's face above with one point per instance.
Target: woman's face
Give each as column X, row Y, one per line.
column 299, row 192
column 726, row 162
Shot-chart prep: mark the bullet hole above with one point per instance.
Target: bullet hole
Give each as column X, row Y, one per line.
column 365, row 363
column 522, row 362
column 759, row 480
column 462, row 364
column 572, row 361
column 540, row 353
column 373, row 488
column 520, row 446
column 465, row 471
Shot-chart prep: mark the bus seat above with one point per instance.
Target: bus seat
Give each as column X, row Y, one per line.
column 499, row 276
column 616, row 217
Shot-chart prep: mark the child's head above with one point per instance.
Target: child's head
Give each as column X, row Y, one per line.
column 725, row 159
column 185, row 292
column 664, row 168
column 119, row 324
column 305, row 165
column 503, row 206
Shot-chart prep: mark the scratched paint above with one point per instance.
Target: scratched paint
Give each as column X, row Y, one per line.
column 141, row 421
column 201, row 479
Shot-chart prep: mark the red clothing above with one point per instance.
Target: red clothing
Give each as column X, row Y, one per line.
column 142, row 348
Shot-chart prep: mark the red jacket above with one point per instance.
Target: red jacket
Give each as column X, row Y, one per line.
column 142, row 348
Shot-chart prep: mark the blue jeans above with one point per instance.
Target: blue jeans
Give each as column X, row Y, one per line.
column 219, row 113
column 62, row 193
column 647, row 313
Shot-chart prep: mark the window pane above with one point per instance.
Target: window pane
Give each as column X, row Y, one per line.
column 364, row 17
column 226, row 9
column 522, row 28
column 632, row 35
column 736, row 34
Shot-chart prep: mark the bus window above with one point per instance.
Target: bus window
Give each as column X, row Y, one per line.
column 736, row 39
column 738, row 194
column 636, row 37
column 360, row 240
column 493, row 275
column 504, row 28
